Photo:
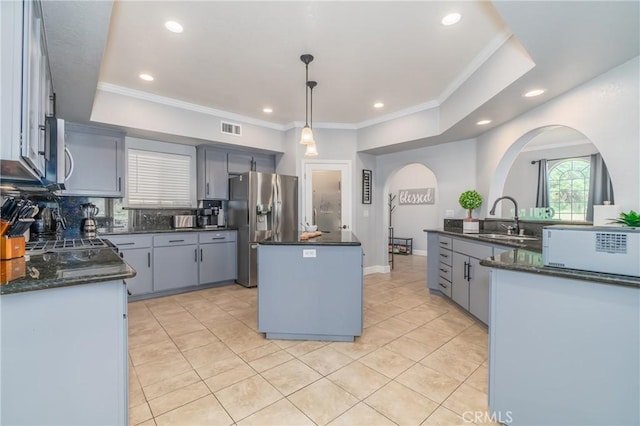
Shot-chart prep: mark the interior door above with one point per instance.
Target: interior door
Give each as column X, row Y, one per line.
column 327, row 194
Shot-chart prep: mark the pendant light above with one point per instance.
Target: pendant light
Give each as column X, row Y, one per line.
column 307, row 135
column 312, row 150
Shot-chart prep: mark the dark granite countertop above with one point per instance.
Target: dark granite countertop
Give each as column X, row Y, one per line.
column 66, row 268
column 521, row 260
column 527, row 257
column 132, row 230
column 333, row 238
column 533, row 245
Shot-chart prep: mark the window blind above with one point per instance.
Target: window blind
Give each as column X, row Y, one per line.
column 158, row 179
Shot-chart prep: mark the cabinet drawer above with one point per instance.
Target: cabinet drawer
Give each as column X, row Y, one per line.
column 446, row 257
column 444, row 286
column 178, row 239
column 472, row 249
column 130, row 241
column 444, row 271
column 216, row 237
column 445, row 242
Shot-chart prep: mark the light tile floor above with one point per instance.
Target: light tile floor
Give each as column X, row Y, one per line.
column 198, row 359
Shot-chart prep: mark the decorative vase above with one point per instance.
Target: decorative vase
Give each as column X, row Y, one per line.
column 470, row 225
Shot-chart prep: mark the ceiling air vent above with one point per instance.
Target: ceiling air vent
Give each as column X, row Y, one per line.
column 230, row 128
column 611, row 242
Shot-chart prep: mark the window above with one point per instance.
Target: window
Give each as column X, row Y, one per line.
column 160, row 175
column 569, row 187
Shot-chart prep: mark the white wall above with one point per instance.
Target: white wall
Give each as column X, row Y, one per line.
column 147, row 115
column 454, row 167
column 606, row 110
column 409, row 221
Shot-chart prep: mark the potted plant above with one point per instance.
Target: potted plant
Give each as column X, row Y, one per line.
column 631, row 219
column 470, row 200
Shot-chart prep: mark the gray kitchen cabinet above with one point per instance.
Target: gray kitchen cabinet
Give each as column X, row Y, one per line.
column 137, row 251
column 265, row 163
column 64, row 356
column 175, row 261
column 456, row 271
column 310, row 292
column 238, row 162
column 218, row 257
column 460, row 284
column 445, row 276
column 470, row 280
column 213, row 178
column 97, row 161
column 479, row 278
column 26, row 85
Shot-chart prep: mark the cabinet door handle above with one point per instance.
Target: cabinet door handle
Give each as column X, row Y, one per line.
column 176, row 241
column 465, row 271
column 149, row 259
column 196, row 252
column 443, row 243
column 444, row 255
column 217, row 238
column 469, row 271
column 442, row 285
column 120, row 184
column 207, row 191
column 125, row 244
column 200, row 255
column 444, row 270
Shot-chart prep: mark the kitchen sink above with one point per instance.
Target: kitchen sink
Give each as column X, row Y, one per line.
column 508, row 237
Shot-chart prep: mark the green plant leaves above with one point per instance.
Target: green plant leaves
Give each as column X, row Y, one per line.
column 470, row 200
column 631, row 219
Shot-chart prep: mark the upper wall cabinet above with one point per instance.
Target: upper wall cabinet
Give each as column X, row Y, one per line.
column 213, row 179
column 239, row 162
column 27, row 90
column 96, row 166
column 265, row 163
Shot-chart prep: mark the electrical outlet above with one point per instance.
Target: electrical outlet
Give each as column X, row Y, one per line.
column 449, row 213
column 365, row 212
column 309, row 253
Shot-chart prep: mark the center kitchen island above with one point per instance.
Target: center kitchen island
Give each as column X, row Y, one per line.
column 311, row 289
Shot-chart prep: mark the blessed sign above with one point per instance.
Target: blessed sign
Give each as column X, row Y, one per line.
column 416, row 196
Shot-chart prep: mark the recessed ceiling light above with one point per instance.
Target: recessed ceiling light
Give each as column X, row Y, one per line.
column 146, row 77
column 378, row 105
column 483, row 122
column 451, row 19
column 173, row 26
column 532, row 93
column 267, row 110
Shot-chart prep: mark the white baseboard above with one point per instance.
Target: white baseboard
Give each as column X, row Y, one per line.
column 376, row 269
column 419, row 252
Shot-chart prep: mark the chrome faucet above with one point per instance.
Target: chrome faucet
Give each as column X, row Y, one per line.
column 516, row 220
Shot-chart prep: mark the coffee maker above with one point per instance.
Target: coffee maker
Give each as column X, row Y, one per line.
column 209, row 214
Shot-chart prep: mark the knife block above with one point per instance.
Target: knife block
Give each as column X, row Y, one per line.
column 11, row 248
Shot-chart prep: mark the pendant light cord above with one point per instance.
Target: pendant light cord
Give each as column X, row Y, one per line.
column 306, row 97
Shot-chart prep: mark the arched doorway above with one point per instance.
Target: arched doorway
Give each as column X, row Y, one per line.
column 414, row 191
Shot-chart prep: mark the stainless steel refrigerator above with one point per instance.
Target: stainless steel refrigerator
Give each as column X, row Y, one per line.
column 261, row 206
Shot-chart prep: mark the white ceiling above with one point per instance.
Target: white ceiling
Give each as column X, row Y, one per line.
column 239, row 56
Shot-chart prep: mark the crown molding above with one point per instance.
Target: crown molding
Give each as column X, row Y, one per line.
column 150, row 97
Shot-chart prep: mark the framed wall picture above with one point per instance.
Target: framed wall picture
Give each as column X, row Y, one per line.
column 366, row 186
